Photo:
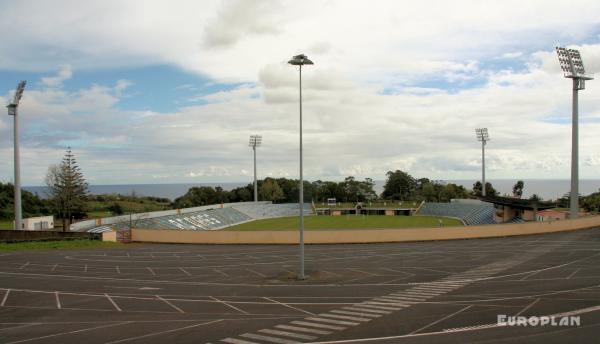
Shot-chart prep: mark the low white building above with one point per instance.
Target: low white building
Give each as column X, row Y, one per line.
column 38, row 223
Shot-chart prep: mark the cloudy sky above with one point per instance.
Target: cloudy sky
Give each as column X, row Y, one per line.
column 169, row 91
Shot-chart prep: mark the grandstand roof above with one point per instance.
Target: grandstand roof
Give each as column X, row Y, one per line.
column 518, row 203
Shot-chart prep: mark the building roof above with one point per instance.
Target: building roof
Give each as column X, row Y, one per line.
column 518, row 203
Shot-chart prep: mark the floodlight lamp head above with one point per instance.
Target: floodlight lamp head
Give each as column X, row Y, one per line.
column 300, row 60
column 19, row 92
column 482, row 134
column 255, row 140
column 572, row 64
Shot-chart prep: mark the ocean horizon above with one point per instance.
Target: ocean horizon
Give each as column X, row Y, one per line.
column 548, row 189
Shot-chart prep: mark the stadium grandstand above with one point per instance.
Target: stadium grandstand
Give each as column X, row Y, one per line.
column 469, row 212
column 202, row 218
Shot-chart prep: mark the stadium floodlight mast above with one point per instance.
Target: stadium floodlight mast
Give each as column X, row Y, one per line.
column 255, row 141
column 301, row 60
column 572, row 67
column 484, row 137
column 13, row 110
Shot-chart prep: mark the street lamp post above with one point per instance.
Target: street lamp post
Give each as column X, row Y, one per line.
column 255, row 141
column 300, row 60
column 572, row 66
column 13, row 110
column 482, row 135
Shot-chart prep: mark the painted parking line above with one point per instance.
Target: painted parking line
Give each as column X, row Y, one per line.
column 331, row 321
column 5, row 298
column 58, row 305
column 237, row 341
column 312, row 324
column 289, row 306
column 337, row 311
column 287, row 334
column 170, row 304
column 229, row 305
column 268, row 338
column 162, row 332
column 113, row 302
column 344, row 317
column 302, row 329
column 367, row 310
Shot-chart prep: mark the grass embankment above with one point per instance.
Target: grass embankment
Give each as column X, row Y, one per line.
column 345, row 222
column 387, row 205
column 55, row 244
column 98, row 209
column 6, row 224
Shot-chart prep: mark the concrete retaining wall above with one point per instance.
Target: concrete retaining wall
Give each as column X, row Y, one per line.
column 361, row 236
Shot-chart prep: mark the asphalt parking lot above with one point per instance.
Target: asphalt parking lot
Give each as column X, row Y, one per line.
column 443, row 292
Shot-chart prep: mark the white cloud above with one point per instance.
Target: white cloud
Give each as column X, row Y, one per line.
column 374, row 101
column 65, row 73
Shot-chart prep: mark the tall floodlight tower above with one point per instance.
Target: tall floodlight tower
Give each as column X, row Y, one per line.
column 255, row 141
column 572, row 66
column 13, row 110
column 301, row 60
column 482, row 135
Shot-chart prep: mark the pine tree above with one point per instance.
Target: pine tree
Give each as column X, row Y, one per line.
column 66, row 187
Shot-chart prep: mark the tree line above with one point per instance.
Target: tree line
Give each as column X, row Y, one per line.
column 68, row 197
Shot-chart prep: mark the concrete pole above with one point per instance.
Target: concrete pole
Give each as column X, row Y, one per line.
column 301, row 273
column 17, row 200
column 574, row 204
column 483, row 168
column 255, row 183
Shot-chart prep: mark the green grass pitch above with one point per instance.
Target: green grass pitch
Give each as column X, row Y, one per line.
column 345, row 222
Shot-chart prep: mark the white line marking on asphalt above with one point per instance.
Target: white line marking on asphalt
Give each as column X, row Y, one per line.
column 302, row 329
column 363, row 272
column 5, row 298
column 355, row 313
column 379, row 305
column 331, row 321
column 442, row 319
column 85, row 269
column 23, row 266
column 185, row 271
column 345, row 317
column 117, row 268
column 329, row 327
column 221, row 272
column 367, row 310
column 406, row 297
column 228, row 305
column 170, row 304
column 162, row 332
column 113, row 302
column 151, row 271
column 268, row 338
column 57, row 300
column 237, row 341
column 574, row 272
column 527, row 307
column 54, row 267
column 70, row 332
column 256, row 273
column 287, row 334
column 17, row 327
column 288, row 306
column 386, row 301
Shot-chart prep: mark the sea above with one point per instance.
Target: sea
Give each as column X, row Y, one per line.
column 547, row 189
